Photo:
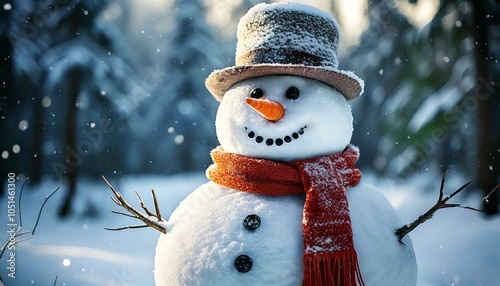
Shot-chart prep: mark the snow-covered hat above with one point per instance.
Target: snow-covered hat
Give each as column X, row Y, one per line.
column 286, row 39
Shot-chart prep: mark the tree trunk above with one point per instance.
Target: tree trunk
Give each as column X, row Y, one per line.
column 38, row 132
column 70, row 142
column 486, row 172
column 6, row 88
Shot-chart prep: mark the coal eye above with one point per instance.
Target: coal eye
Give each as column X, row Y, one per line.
column 292, row 93
column 257, row 93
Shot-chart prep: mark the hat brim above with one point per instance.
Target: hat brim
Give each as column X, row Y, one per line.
column 220, row 81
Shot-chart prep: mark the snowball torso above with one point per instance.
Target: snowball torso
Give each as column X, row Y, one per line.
column 206, row 234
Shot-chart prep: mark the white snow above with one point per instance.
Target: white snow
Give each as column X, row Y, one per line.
column 79, row 251
column 307, row 9
column 456, row 247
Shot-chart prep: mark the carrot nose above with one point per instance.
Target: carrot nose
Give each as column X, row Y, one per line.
column 270, row 110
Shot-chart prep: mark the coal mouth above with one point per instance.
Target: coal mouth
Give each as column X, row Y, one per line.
column 275, row 141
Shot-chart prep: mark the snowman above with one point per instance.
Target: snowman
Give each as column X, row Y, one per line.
column 285, row 204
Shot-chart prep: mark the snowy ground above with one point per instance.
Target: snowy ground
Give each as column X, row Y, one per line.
column 457, row 247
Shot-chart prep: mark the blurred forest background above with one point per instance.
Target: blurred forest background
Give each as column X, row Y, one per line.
column 91, row 88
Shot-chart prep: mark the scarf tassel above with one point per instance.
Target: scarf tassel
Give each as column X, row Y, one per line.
column 335, row 269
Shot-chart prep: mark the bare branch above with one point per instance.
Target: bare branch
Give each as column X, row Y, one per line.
column 149, row 219
column 41, row 209
column 143, row 206
column 22, row 233
column 22, row 240
column 440, row 204
column 18, row 233
column 471, row 208
column 123, row 214
column 457, row 191
column 20, row 203
column 441, row 188
column 4, row 247
column 490, row 193
column 157, row 207
column 126, row 227
column 116, row 201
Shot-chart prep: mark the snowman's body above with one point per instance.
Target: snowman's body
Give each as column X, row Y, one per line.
column 206, row 233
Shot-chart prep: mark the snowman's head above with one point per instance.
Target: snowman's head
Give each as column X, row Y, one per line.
column 291, row 118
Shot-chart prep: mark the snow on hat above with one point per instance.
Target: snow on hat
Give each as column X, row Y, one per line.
column 286, row 39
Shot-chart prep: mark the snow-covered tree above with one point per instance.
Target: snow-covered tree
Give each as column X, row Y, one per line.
column 180, row 114
column 425, row 91
column 66, row 62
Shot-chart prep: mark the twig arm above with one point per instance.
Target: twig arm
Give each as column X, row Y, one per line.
column 440, row 204
column 407, row 228
column 149, row 219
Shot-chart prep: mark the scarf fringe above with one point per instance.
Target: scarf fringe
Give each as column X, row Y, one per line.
column 332, row 269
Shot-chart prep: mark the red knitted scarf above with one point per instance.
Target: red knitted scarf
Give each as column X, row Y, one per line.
column 329, row 255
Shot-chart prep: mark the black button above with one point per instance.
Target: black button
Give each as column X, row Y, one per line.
column 251, row 222
column 243, row 263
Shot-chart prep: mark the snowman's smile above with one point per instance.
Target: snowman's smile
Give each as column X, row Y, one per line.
column 278, row 141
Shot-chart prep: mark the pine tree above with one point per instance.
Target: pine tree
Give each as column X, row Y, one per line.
column 421, row 91
column 71, row 78
column 181, row 111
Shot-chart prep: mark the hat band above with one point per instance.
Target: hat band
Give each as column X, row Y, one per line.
column 281, row 56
